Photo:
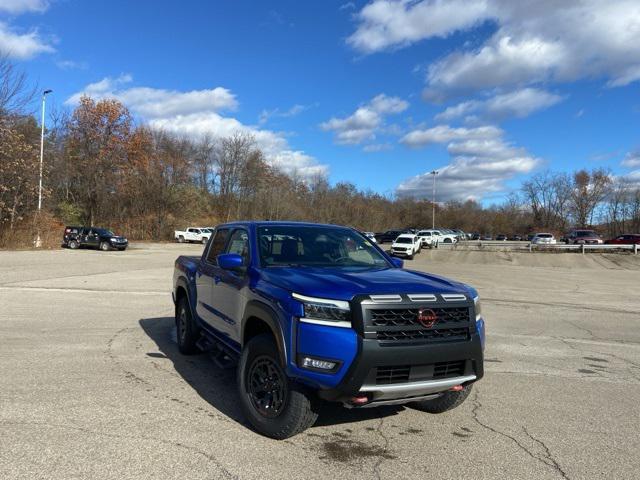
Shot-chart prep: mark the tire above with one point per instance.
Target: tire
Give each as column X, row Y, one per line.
column 73, row 244
column 104, row 246
column 448, row 401
column 286, row 409
column 447, row 240
column 186, row 330
column 204, row 240
column 180, row 239
column 409, row 257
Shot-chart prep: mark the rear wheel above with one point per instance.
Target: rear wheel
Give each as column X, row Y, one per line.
column 447, row 401
column 180, row 239
column 104, row 246
column 186, row 330
column 274, row 405
column 204, row 240
column 73, row 244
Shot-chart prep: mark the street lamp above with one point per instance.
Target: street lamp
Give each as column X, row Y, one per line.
column 44, row 96
column 433, row 200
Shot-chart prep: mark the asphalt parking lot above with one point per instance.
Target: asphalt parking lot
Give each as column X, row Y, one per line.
column 92, row 385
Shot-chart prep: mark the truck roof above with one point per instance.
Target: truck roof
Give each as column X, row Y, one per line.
column 267, row 223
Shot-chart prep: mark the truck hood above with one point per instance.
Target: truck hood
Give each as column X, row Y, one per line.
column 344, row 284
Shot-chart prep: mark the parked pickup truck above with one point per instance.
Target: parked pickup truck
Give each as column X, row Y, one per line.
column 318, row 312
column 193, row 234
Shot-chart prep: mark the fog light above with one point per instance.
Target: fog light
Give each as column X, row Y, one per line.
column 308, row 362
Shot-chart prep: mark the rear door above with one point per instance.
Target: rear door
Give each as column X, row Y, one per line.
column 228, row 295
column 206, row 278
column 91, row 239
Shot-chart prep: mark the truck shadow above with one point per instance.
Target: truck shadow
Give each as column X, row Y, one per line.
column 217, row 386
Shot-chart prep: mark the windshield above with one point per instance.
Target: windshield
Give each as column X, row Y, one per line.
column 316, row 246
column 404, row 240
column 586, row 233
column 544, row 235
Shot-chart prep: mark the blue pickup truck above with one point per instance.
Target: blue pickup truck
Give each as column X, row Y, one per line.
column 313, row 312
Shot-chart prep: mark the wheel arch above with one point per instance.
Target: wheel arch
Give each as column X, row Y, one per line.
column 261, row 318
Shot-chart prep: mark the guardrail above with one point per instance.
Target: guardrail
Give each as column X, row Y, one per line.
column 556, row 246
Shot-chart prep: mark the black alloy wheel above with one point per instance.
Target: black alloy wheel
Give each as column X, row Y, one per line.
column 267, row 387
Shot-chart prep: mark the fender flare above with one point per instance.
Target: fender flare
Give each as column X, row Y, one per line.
column 269, row 316
column 182, row 282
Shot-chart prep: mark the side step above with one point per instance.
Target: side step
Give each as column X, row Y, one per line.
column 221, row 356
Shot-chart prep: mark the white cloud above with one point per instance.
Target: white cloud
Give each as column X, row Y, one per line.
column 519, row 103
column 535, row 40
column 195, row 114
column 396, row 23
column 21, row 6
column 267, row 115
column 631, row 160
column 481, row 162
column 363, row 124
column 157, row 102
column 22, row 46
column 71, row 65
column 445, row 133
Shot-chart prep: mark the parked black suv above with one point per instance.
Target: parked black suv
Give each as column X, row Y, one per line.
column 93, row 237
column 389, row 235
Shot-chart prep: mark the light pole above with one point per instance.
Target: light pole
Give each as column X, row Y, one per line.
column 44, row 96
column 433, row 200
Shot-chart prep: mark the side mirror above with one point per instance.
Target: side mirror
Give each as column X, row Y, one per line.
column 397, row 262
column 230, row 261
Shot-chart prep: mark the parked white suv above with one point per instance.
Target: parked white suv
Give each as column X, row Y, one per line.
column 428, row 238
column 406, row 245
column 443, row 237
column 543, row 239
column 192, row 234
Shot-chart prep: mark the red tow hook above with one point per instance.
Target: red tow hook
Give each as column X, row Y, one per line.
column 359, row 400
column 456, row 388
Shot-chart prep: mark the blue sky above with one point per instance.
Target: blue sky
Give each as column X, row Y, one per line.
column 376, row 93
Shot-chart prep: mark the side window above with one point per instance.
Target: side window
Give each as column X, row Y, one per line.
column 217, row 245
column 239, row 244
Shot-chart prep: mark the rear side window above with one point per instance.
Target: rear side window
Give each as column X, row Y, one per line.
column 217, row 245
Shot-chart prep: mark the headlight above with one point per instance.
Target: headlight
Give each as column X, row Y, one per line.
column 478, row 307
column 112, row 239
column 323, row 311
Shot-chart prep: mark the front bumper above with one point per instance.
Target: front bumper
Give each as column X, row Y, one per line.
column 363, row 357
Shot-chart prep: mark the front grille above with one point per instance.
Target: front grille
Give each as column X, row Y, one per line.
column 445, row 335
column 399, row 325
column 409, row 316
column 387, row 375
column 448, row 369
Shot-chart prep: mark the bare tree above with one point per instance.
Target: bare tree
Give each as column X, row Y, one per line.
column 15, row 92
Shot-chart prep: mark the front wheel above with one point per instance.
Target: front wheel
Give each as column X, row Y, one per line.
column 274, row 405
column 447, row 401
column 104, row 246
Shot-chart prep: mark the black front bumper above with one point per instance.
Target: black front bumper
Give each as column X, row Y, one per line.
column 422, row 360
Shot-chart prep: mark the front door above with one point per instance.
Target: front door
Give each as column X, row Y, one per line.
column 206, row 277
column 228, row 291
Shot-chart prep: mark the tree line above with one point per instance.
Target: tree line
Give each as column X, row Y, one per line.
column 103, row 168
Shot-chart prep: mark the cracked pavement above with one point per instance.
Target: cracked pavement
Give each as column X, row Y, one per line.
column 92, row 385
